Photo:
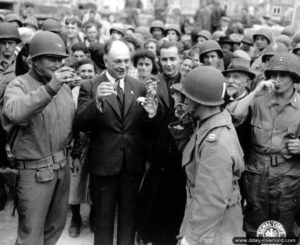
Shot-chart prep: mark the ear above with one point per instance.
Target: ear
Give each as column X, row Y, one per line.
column 105, row 59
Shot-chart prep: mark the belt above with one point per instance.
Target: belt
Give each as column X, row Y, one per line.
column 273, row 160
column 55, row 161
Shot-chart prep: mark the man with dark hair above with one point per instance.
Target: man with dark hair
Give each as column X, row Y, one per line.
column 108, row 110
column 162, row 197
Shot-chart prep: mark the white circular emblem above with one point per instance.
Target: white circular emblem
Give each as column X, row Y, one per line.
column 271, row 228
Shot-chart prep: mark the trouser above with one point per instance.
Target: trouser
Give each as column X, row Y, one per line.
column 276, row 198
column 106, row 192
column 42, row 207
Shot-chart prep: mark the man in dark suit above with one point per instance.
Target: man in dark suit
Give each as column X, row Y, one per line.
column 108, row 110
column 162, row 196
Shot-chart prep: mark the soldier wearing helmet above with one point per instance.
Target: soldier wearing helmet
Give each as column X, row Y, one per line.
column 262, row 38
column 172, row 33
column 157, row 29
column 268, row 53
column 271, row 180
column 211, row 54
column 203, row 36
column 38, row 114
column 213, row 162
column 116, row 31
column 9, row 38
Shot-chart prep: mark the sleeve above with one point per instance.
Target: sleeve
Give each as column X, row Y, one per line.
column 213, row 185
column 19, row 106
column 87, row 108
column 238, row 119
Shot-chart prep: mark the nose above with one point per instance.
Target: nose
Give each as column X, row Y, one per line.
column 230, row 80
column 57, row 63
column 6, row 45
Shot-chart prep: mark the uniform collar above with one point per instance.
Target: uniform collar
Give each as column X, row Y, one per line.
column 293, row 101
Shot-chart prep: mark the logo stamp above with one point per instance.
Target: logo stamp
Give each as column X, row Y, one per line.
column 271, row 228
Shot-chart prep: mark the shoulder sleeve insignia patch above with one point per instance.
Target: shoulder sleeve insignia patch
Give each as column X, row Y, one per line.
column 211, row 137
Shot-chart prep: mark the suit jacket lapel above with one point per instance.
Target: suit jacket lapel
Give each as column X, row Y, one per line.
column 128, row 95
column 112, row 99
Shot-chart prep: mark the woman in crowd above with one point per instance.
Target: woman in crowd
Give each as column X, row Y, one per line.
column 144, row 61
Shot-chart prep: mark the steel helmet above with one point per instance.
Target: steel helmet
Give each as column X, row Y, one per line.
column 204, row 33
column 287, row 62
column 51, row 25
column 12, row 18
column 273, row 49
column 31, row 21
column 248, row 39
column 157, row 24
column 173, row 27
column 296, row 38
column 9, row 31
column 117, row 27
column 288, row 30
column 297, row 47
column 265, row 32
column 208, row 46
column 204, row 85
column 47, row 43
column 286, row 40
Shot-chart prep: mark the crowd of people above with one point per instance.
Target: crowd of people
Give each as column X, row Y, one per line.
column 178, row 138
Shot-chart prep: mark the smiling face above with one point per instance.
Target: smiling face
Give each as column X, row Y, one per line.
column 236, row 83
column 170, row 61
column 86, row 71
column 261, row 42
column 72, row 30
column 186, row 66
column 117, row 60
column 144, row 67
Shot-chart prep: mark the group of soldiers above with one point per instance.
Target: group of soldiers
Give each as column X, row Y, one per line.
column 188, row 138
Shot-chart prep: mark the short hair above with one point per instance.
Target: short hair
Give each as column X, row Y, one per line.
column 79, row 47
column 73, row 20
column 143, row 53
column 91, row 24
column 187, row 57
column 84, row 62
column 150, row 40
column 170, row 44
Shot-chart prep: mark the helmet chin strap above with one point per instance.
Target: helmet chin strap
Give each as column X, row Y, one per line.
column 46, row 76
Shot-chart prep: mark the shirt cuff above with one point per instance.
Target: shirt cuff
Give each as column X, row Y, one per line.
column 50, row 90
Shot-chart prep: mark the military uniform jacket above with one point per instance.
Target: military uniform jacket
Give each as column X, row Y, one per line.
column 213, row 161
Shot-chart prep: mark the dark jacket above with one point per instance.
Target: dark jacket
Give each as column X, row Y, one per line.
column 114, row 138
column 162, row 196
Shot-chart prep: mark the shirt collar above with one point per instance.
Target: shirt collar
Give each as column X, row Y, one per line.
column 293, row 101
column 113, row 80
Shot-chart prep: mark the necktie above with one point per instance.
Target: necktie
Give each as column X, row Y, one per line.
column 120, row 96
